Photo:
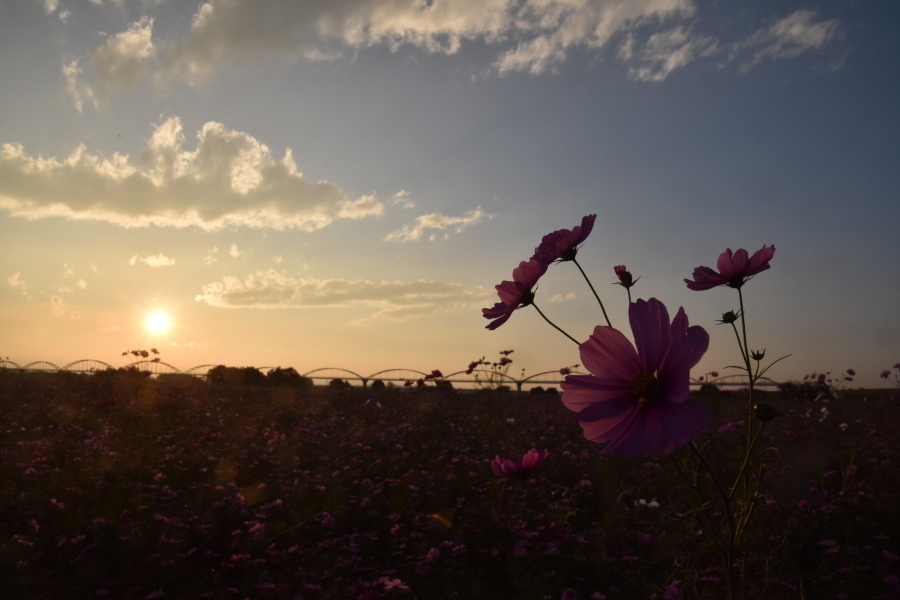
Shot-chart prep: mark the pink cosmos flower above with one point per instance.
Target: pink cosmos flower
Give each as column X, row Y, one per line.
column 516, row 293
column 733, row 269
column 638, row 400
column 885, row 374
column 519, row 467
column 562, row 245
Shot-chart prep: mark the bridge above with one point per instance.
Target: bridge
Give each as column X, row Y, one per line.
column 322, row 376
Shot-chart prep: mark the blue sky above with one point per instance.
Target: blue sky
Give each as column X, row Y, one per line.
column 343, row 183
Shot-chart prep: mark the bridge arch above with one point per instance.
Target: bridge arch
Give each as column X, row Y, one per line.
column 87, row 365
column 41, row 365
column 157, row 368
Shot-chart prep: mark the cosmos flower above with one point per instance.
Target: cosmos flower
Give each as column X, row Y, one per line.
column 734, row 269
column 516, row 293
column 562, row 245
column 638, row 400
column 518, row 467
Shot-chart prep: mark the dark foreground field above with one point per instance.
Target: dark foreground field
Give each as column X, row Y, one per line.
column 133, row 488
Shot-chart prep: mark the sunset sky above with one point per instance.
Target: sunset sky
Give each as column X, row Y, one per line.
column 342, row 183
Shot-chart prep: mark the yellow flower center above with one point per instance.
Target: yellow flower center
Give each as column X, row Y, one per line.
column 646, row 387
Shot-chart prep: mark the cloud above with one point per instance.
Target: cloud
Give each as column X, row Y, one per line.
column 532, row 36
column 789, row 37
column 15, row 280
column 123, row 60
column 523, row 36
column 395, row 301
column 563, row 298
column 415, row 231
column 234, row 252
column 230, row 180
column 666, row 51
column 77, row 90
column 158, row 260
column 59, row 308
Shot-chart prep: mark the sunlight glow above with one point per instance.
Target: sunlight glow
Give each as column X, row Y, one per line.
column 157, row 322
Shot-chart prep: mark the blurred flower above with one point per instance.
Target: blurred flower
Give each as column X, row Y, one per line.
column 516, row 293
column 394, row 584
column 519, row 467
column 639, row 400
column 734, row 269
column 562, row 245
column 851, row 372
column 821, row 378
column 885, row 374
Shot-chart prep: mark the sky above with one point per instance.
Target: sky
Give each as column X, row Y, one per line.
column 342, row 183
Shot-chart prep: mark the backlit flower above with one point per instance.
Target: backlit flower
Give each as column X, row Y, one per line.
column 562, row 245
column 515, row 293
column 638, row 400
column 734, row 269
column 519, row 467
column 625, row 278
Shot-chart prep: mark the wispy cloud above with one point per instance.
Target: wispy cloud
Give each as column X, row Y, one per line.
column 527, row 36
column 155, row 260
column 666, row 51
column 415, row 231
column 394, row 300
column 229, row 180
column 786, row 38
column 15, row 280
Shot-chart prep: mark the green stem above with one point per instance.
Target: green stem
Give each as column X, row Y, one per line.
column 595, row 292
column 554, row 324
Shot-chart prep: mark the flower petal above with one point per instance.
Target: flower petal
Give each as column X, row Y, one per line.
column 608, row 353
column 650, row 326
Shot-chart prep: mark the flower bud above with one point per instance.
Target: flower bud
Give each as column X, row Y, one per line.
column 763, row 411
column 729, row 317
column 758, row 354
column 625, row 278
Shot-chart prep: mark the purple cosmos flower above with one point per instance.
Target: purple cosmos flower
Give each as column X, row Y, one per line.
column 885, row 374
column 638, row 400
column 562, row 245
column 733, row 269
column 519, row 467
column 515, row 293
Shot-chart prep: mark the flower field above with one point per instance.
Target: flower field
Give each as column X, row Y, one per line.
column 128, row 487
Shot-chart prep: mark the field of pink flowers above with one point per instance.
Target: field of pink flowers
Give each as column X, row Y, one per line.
column 126, row 487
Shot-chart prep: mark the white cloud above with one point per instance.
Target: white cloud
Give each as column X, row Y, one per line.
column 234, row 252
column 414, row 231
column 15, row 280
column 789, row 37
column 665, row 52
column 76, row 88
column 563, row 298
column 230, row 180
column 156, row 260
column 545, row 32
column 59, row 308
column 123, row 60
column 395, row 301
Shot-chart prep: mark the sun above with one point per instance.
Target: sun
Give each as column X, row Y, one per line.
column 157, row 322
